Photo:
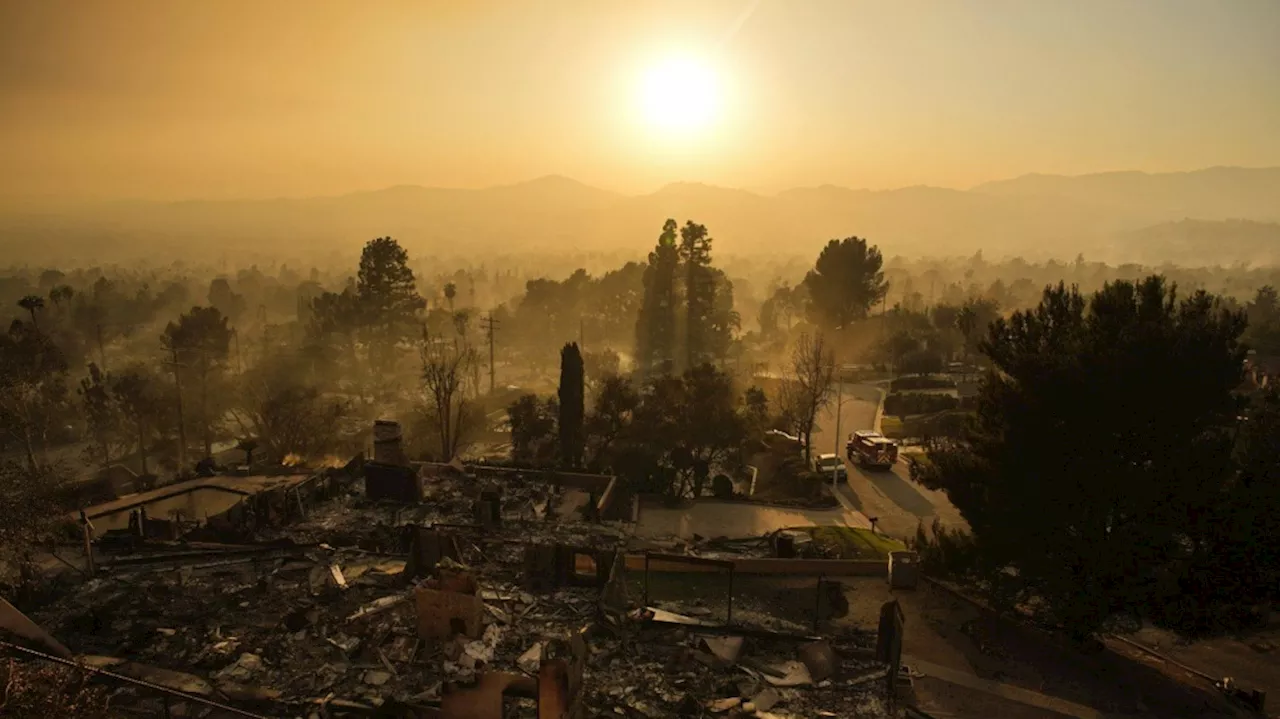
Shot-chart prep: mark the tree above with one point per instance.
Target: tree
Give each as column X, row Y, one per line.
column 60, row 294
column 769, row 314
column 1263, row 312
column 656, row 325
column 222, row 297
column 844, row 283
column 599, row 364
column 446, row 370
column 1237, row 568
column 137, row 392
column 201, row 341
column 30, row 514
column 533, row 430
column 1100, row 449
column 288, row 413
column 610, row 418
column 756, row 410
column 450, row 292
column 712, row 428
column 724, row 322
column 298, row 419
column 462, row 323
column 31, row 303
column 387, row 300
column 699, row 292
column 33, row 387
column 332, row 327
column 101, row 412
column 682, row 428
column 973, row 319
column 385, row 284
column 922, row 360
column 572, row 396
column 808, row 388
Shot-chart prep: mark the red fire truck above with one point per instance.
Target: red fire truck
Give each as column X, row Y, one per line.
column 871, row 449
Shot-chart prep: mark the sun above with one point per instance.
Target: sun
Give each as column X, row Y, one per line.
column 679, row 96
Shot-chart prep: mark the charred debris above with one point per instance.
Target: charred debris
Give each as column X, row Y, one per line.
column 394, row 589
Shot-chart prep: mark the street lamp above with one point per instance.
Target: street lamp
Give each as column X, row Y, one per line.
column 835, row 469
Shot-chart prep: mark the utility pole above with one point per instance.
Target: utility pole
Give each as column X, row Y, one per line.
column 490, row 325
column 235, row 335
column 204, row 404
column 102, row 355
column 262, row 320
column 182, row 425
column 582, row 336
column 835, row 469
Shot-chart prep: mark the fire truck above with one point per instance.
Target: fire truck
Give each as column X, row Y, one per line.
column 871, row 449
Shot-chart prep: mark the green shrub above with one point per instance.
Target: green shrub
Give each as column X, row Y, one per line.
column 921, row 382
column 902, row 405
column 948, row 553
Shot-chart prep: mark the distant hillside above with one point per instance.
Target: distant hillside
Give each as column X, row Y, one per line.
column 1200, row 242
column 1216, row 193
column 1035, row 216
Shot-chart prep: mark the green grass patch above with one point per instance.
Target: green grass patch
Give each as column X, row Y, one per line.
column 891, row 427
column 855, row 543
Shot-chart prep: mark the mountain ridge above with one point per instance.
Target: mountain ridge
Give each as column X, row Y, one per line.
column 1030, row 215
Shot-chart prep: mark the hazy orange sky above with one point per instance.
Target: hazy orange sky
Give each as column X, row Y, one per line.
column 246, row 98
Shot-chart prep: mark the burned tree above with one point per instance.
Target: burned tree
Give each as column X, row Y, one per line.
column 446, row 375
column 286, row 412
column 808, row 388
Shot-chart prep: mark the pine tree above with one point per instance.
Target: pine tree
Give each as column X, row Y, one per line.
column 656, row 326
column 700, row 293
column 388, row 300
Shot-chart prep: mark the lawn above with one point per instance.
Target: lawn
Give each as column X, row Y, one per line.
column 891, row 427
column 854, row 543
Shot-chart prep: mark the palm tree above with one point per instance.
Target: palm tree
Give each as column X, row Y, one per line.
column 31, row 303
column 450, row 291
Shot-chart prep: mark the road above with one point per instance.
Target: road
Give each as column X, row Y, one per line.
column 898, row 504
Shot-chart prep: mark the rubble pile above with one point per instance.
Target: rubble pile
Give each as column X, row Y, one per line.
column 295, row 627
column 481, row 591
column 665, row 668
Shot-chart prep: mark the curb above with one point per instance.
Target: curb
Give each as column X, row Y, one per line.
column 875, row 423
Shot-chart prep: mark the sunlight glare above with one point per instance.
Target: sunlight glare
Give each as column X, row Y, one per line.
column 679, row 95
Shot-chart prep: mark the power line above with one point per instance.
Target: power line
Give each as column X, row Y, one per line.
column 130, row 680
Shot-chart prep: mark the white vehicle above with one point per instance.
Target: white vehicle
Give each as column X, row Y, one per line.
column 777, row 434
column 825, row 464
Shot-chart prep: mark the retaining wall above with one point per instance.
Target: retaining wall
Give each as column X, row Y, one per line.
column 771, row 565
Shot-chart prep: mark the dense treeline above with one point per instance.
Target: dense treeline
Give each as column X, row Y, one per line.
column 1120, row 466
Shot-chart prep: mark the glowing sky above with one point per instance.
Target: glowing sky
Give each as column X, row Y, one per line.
column 249, row 98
